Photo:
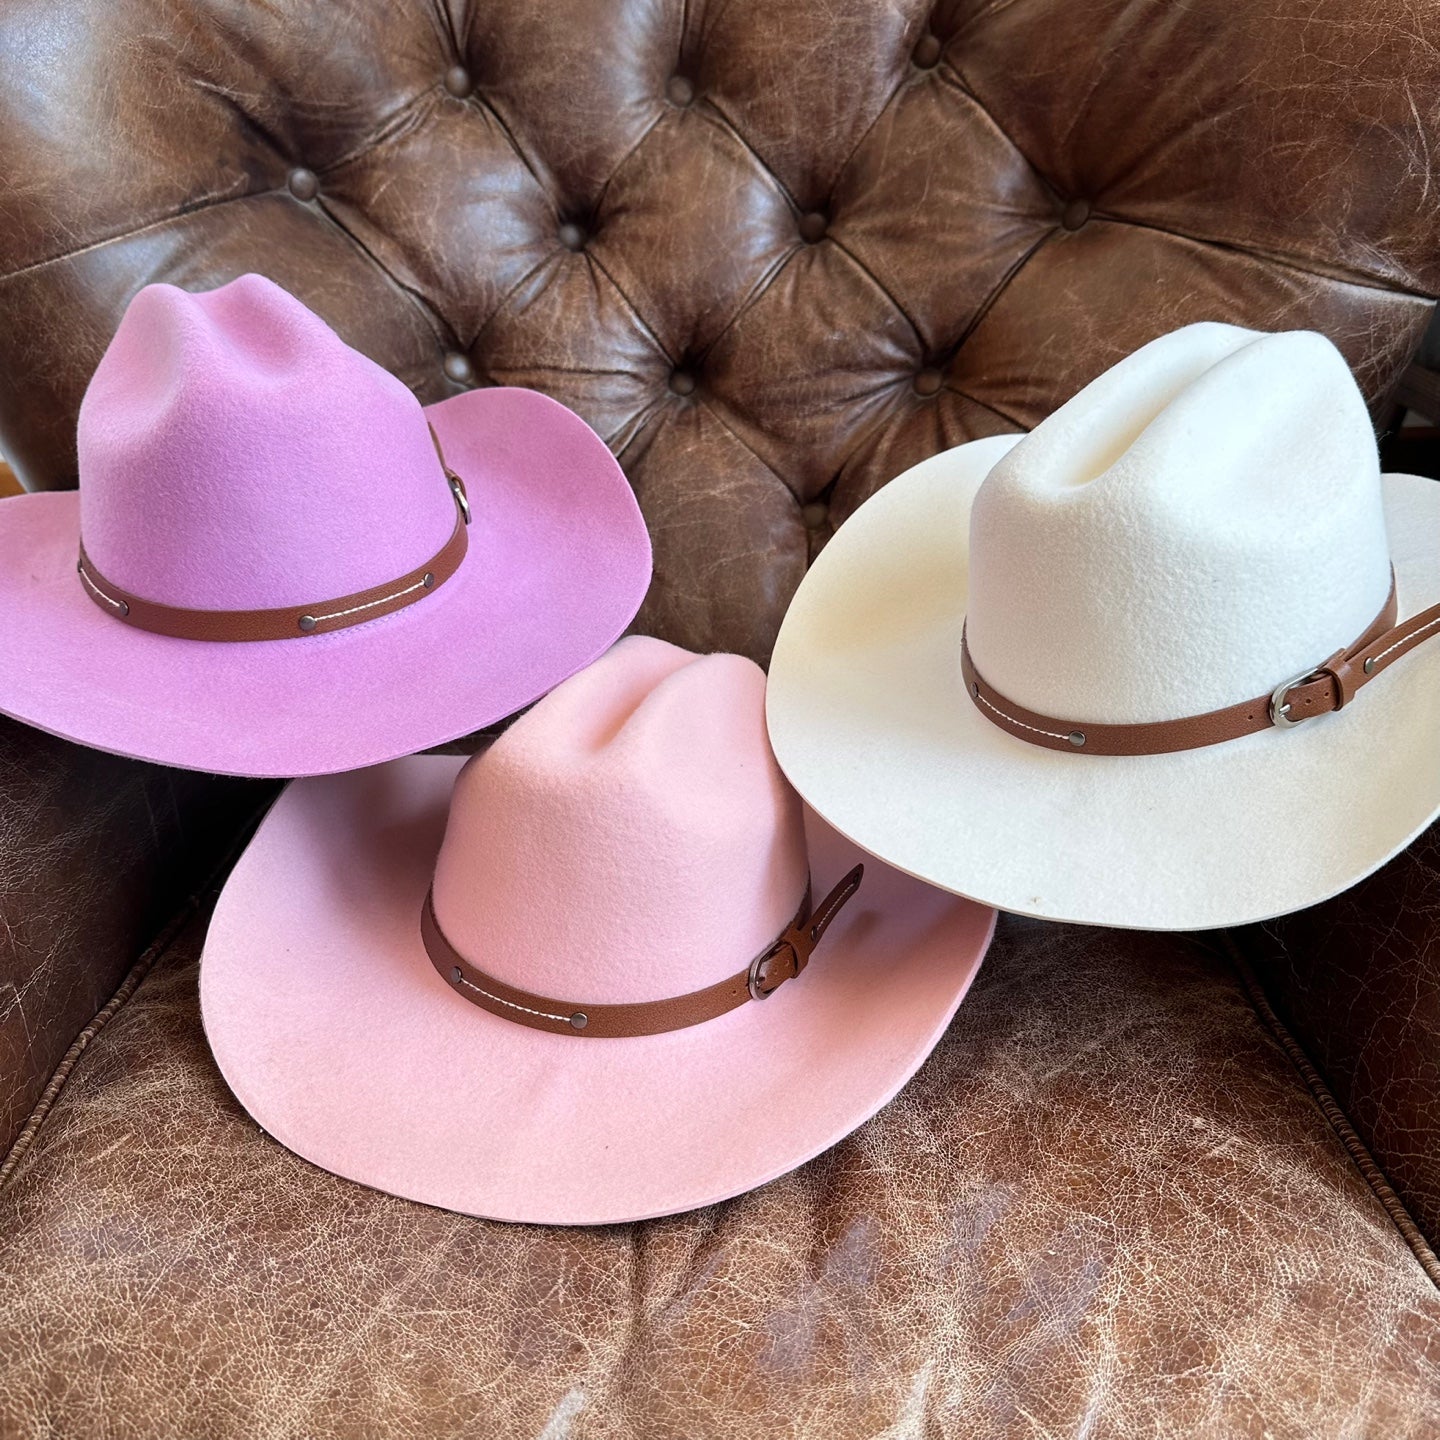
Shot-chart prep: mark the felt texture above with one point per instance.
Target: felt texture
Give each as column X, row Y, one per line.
column 236, row 454
column 1196, row 525
column 871, row 722
column 337, row 1035
column 558, row 562
column 642, row 820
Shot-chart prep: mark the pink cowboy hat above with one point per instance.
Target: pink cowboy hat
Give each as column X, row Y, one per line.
column 279, row 574
column 583, row 997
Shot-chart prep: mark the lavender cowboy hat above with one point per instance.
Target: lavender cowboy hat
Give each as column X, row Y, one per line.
column 278, row 563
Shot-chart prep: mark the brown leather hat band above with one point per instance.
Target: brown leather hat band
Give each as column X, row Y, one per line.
column 1329, row 686
column 769, row 970
column 288, row 622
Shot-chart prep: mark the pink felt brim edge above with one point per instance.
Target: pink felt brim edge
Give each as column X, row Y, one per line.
column 559, row 562
column 336, row 1034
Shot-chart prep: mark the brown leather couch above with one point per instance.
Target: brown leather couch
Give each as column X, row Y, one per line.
column 774, row 251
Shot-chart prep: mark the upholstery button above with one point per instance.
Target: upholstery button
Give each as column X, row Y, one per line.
column 813, row 227
column 1075, row 214
column 459, row 368
column 458, row 82
column 572, row 236
column 680, row 92
column 928, row 381
column 927, row 53
column 303, row 184
column 815, row 514
column 682, row 382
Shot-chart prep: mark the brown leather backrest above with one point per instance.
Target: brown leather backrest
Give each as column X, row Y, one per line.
column 773, row 250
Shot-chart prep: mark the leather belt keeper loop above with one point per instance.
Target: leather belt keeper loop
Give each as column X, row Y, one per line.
column 1328, row 686
column 290, row 621
column 782, row 960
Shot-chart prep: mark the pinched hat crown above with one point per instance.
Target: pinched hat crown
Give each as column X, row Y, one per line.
column 631, row 838
column 236, row 454
column 1201, row 522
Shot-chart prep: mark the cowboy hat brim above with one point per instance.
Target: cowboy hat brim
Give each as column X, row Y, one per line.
column 558, row 563
column 334, row 1031
column 870, row 721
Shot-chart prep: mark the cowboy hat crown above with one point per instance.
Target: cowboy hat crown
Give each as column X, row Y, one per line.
column 236, row 454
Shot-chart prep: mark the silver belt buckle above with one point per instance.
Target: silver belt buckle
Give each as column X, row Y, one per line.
column 1279, row 706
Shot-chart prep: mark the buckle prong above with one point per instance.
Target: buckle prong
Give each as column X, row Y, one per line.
column 754, row 981
column 1280, row 705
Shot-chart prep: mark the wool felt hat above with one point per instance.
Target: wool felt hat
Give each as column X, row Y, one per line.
column 999, row 674
column 273, row 567
column 628, row 841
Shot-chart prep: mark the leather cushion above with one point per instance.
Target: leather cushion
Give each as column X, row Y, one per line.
column 1107, row 1205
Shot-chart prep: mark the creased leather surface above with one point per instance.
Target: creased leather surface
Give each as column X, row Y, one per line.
column 1359, row 977
column 95, row 854
column 774, row 252
column 1107, row 1206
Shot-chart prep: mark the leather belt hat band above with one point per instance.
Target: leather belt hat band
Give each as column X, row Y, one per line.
column 289, row 622
column 1328, row 686
column 767, row 972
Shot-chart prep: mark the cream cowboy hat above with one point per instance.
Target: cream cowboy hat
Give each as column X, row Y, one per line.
column 1161, row 663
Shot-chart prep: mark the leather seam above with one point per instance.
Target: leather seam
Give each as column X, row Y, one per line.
column 720, row 417
column 397, row 124
column 432, row 321
column 1339, row 1122
column 169, row 932
column 762, row 283
column 842, row 248
column 387, row 128
column 711, row 115
column 950, row 73
column 770, row 170
column 197, row 206
column 983, row 310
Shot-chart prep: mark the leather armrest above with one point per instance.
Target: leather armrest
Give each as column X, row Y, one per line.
column 97, row 854
column 1357, row 979
column 1419, row 390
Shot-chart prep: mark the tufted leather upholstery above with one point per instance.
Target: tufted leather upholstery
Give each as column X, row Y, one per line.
column 774, row 250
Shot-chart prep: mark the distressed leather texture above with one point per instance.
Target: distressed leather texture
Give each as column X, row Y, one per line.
column 1106, row 1206
column 96, row 853
column 774, row 251
column 1360, row 977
